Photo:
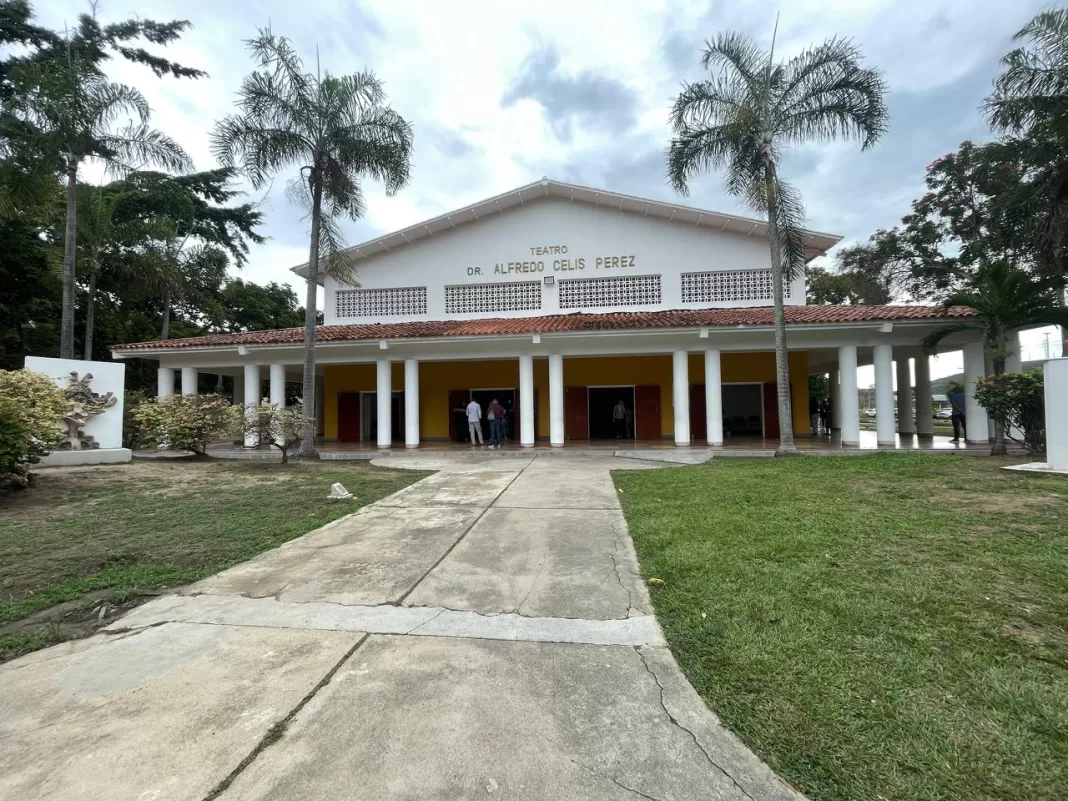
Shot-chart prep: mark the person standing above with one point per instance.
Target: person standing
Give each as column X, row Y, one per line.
column 956, row 401
column 495, row 415
column 474, row 422
column 619, row 419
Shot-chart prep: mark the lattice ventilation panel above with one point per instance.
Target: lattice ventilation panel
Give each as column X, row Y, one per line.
column 483, row 298
column 600, row 293
column 399, row 302
column 726, row 286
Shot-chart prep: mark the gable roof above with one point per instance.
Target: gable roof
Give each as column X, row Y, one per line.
column 566, row 323
column 816, row 243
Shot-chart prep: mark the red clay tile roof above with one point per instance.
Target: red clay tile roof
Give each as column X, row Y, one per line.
column 616, row 321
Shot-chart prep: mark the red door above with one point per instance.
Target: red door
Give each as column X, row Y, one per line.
column 647, row 412
column 698, row 422
column 576, row 413
column 458, row 400
column 348, row 416
column 771, row 410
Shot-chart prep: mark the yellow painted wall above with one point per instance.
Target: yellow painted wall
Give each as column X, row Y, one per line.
column 437, row 378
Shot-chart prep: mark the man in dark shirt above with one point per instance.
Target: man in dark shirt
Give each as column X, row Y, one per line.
column 956, row 400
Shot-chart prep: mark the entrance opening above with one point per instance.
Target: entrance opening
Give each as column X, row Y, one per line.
column 505, row 397
column 743, row 408
column 369, row 417
column 603, row 423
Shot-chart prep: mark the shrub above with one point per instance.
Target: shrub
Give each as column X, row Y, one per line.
column 187, row 422
column 281, row 428
column 31, row 410
column 132, row 433
column 1016, row 400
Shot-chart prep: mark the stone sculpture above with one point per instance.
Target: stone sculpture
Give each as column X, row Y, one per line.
column 85, row 405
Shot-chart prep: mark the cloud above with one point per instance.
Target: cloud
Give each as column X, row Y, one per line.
column 586, row 99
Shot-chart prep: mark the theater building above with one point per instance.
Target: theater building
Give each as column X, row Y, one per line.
column 560, row 301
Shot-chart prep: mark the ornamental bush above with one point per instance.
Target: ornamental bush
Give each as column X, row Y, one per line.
column 1017, row 401
column 187, row 422
column 281, row 428
column 31, row 410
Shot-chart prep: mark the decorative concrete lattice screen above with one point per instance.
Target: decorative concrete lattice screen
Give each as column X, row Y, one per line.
column 726, row 286
column 481, row 298
column 598, row 293
column 402, row 301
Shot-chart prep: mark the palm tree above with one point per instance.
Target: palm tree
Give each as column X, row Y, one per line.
column 335, row 130
column 1005, row 299
column 68, row 108
column 97, row 232
column 1030, row 101
column 745, row 117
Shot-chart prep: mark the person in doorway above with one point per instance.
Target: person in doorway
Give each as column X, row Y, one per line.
column 956, row 402
column 474, row 422
column 825, row 415
column 814, row 413
column 619, row 418
column 495, row 415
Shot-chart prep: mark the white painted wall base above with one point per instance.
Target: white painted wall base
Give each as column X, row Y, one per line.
column 1055, row 375
column 86, row 457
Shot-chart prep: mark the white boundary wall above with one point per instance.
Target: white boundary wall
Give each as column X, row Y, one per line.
column 106, row 428
column 1055, row 375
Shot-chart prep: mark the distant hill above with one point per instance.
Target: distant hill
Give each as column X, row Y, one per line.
column 938, row 385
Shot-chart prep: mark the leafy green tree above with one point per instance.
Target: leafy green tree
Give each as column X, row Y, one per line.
column 1006, row 299
column 97, row 233
column 823, row 287
column 70, row 109
column 746, row 117
column 29, row 288
column 1017, row 401
column 1030, row 101
column 334, row 130
column 252, row 307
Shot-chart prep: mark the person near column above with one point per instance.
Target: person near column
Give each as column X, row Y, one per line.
column 495, row 415
column 619, row 419
column 826, row 413
column 956, row 402
column 474, row 422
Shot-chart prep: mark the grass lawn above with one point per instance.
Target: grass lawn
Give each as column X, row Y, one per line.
column 876, row 627
column 88, row 537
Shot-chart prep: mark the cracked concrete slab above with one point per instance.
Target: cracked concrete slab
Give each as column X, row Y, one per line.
column 422, row 717
column 162, row 713
column 558, row 484
column 417, row 621
column 477, row 488
column 369, row 558
column 556, row 563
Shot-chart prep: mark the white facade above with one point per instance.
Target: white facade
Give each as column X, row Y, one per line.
column 555, row 256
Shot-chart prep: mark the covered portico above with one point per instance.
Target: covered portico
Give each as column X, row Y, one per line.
column 412, row 369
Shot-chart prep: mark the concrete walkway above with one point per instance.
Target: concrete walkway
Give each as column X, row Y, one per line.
column 482, row 633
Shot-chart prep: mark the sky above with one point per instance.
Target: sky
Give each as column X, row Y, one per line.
column 502, row 94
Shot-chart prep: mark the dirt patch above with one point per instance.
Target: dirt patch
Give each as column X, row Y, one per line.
column 1053, row 637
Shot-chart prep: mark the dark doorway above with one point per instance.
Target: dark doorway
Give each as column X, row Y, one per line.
column 505, row 397
column 370, row 414
column 458, row 400
column 743, row 408
column 348, row 416
column 603, row 402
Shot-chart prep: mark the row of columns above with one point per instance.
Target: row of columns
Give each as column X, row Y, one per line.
column 911, row 418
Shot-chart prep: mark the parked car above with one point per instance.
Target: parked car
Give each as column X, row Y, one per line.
column 869, row 413
column 943, row 414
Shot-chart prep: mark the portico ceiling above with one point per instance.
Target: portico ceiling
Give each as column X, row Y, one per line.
column 816, row 243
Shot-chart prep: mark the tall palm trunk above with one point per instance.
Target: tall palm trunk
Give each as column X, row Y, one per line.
column 66, row 329
column 90, row 305
column 1051, row 240
column 307, row 445
column 782, row 361
column 165, row 329
column 997, row 364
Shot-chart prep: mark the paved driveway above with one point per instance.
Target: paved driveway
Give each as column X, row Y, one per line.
column 481, row 634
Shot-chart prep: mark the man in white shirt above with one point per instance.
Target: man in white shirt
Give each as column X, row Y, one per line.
column 474, row 421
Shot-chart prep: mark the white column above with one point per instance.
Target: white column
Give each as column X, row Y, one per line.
column 680, row 395
column 848, row 401
column 713, row 398
column 278, row 385
column 253, row 396
column 884, row 394
column 976, row 422
column 556, row 400
column 905, row 422
column 384, row 396
column 836, row 400
column 924, row 403
column 411, row 403
column 526, row 401
column 164, row 382
column 189, row 381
